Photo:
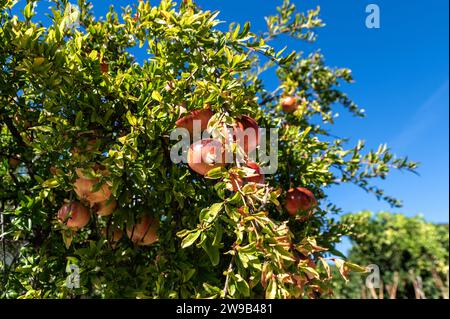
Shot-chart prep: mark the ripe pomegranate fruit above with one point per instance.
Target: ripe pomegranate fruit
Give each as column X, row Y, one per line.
column 299, row 200
column 83, row 188
column 106, row 207
column 187, row 121
column 205, row 155
column 97, row 168
column 113, row 234
column 84, row 148
column 104, row 67
column 247, row 133
column 74, row 215
column 289, row 104
column 84, row 185
column 144, row 232
column 53, row 170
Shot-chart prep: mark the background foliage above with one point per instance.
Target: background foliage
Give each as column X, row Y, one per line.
column 410, row 247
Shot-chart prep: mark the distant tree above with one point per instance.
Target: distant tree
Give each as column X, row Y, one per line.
column 411, row 254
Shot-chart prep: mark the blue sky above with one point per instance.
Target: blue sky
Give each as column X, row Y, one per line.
column 401, row 73
column 401, row 80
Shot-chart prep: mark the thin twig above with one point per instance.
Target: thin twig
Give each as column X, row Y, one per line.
column 3, row 243
column 230, row 268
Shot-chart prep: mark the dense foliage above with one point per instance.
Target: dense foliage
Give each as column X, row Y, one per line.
column 73, row 96
column 411, row 254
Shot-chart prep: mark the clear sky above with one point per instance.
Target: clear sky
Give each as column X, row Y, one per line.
column 401, row 73
column 402, row 81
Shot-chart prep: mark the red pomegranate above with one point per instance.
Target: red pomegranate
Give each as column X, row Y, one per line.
column 299, row 200
column 106, row 207
column 247, row 133
column 85, row 148
column 113, row 234
column 144, row 232
column 74, row 215
column 104, row 67
column 205, row 155
column 83, row 188
column 289, row 104
column 187, row 121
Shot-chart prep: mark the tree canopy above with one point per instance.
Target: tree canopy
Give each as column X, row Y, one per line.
column 404, row 247
column 77, row 106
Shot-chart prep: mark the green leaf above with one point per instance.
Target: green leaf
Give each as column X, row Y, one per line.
column 212, row 251
column 245, row 30
column 218, row 235
column 131, row 119
column 242, row 286
column 216, row 173
column 28, row 11
column 208, row 215
column 326, row 266
column 51, row 183
column 271, row 291
column 79, row 119
column 156, row 96
column 188, row 273
column 93, row 55
column 190, row 239
column 355, row 267
column 340, row 265
column 183, row 233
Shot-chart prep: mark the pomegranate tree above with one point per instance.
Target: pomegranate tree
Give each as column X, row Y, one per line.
column 98, row 151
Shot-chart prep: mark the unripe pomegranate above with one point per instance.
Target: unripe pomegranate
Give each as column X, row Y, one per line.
column 299, row 200
column 289, row 104
column 144, row 232
column 205, row 155
column 74, row 215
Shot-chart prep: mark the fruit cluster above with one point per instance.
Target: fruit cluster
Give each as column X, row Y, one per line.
column 76, row 214
column 209, row 153
column 203, row 156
